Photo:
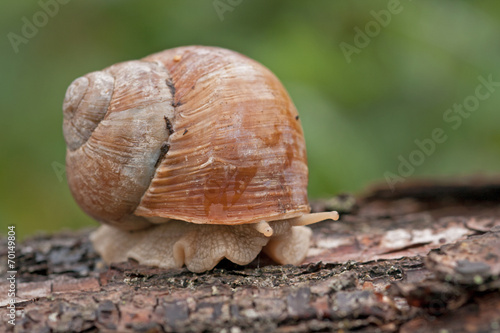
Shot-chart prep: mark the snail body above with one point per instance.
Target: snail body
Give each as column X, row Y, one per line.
column 188, row 156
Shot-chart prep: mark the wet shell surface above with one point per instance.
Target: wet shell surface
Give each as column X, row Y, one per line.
column 163, row 147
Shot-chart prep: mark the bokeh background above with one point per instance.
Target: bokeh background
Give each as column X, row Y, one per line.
column 359, row 113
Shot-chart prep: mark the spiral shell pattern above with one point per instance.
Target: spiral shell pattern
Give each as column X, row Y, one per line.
column 198, row 134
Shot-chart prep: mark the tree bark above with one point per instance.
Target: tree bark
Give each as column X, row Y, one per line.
column 422, row 258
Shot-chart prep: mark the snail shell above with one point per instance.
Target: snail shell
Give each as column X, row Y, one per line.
column 192, row 134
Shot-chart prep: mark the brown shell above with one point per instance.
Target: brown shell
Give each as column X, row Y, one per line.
column 199, row 134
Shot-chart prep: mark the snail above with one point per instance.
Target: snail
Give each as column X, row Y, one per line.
column 189, row 156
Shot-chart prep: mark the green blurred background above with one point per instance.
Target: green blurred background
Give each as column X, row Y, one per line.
column 358, row 116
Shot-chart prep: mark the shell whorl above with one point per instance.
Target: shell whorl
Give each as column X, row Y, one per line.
column 113, row 146
column 199, row 134
column 85, row 105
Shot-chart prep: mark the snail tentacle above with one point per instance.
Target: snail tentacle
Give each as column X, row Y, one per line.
column 307, row 219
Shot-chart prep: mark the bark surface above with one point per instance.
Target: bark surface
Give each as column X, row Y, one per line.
column 423, row 258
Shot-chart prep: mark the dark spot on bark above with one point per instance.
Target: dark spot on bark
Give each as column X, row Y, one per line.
column 163, row 151
column 471, row 268
column 106, row 314
column 298, row 303
column 175, row 311
column 170, row 128
column 396, row 272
